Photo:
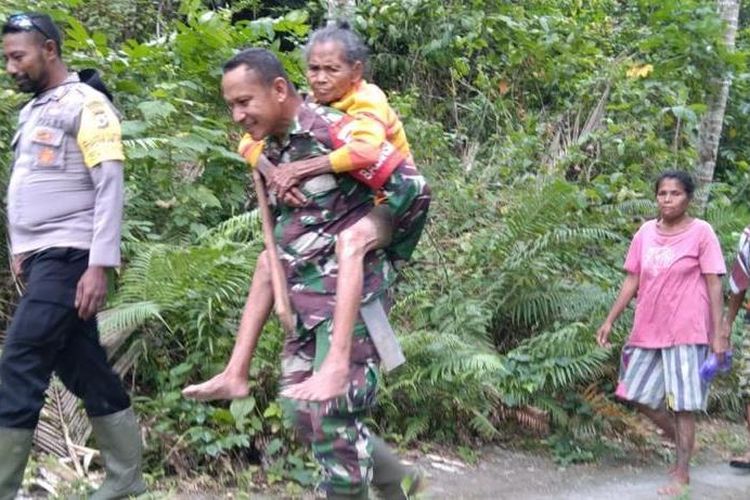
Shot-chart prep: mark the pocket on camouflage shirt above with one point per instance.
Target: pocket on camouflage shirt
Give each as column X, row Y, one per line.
column 319, row 185
column 47, row 147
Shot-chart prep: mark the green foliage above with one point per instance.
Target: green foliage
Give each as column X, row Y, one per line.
column 187, row 300
column 504, row 314
column 134, row 18
column 540, row 126
column 488, row 326
column 190, row 246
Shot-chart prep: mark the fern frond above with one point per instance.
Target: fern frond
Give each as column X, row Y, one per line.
column 527, row 416
column 416, row 427
column 127, row 317
column 644, row 207
column 468, row 364
column 63, row 424
column 145, row 144
column 482, row 425
column 244, row 227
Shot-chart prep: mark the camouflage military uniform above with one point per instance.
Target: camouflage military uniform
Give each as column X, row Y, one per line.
column 744, row 359
column 739, row 281
column 408, row 197
column 306, row 238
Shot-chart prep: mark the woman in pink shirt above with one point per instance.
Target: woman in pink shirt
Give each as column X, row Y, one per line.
column 674, row 268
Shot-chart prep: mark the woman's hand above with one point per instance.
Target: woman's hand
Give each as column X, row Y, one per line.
column 602, row 334
column 720, row 342
column 294, row 198
column 287, row 175
column 627, row 292
column 282, row 182
column 282, row 179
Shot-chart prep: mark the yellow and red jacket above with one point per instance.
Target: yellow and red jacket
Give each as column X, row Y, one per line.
column 370, row 140
column 373, row 123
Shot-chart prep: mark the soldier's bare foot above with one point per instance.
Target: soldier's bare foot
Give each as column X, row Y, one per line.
column 328, row 383
column 222, row 386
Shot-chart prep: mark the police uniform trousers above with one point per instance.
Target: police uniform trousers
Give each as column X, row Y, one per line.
column 46, row 335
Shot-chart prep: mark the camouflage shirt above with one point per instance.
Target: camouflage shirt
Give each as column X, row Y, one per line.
column 306, row 236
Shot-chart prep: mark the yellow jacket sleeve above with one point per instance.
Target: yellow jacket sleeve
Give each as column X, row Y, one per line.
column 369, row 108
column 250, row 149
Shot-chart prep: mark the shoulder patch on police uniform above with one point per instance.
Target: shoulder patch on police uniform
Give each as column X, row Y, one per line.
column 99, row 135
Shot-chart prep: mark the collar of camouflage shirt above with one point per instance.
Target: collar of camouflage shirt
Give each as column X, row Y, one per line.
column 301, row 126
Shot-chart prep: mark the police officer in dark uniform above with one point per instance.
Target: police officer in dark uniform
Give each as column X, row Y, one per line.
column 65, row 201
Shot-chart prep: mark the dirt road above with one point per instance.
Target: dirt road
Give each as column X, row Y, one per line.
column 504, row 474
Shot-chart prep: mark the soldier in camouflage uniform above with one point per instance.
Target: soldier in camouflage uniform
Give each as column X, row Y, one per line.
column 371, row 146
column 739, row 280
column 306, row 237
column 257, row 90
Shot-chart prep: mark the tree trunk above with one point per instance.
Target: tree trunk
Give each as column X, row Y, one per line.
column 341, row 9
column 710, row 126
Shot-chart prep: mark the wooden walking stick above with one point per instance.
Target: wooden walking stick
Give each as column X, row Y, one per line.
column 278, row 278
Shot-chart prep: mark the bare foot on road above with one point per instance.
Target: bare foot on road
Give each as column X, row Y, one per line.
column 678, row 487
column 222, row 386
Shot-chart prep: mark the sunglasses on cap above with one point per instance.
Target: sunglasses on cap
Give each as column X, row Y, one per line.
column 26, row 22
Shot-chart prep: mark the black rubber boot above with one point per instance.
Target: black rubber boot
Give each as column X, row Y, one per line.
column 390, row 478
column 118, row 437
column 349, row 496
column 15, row 446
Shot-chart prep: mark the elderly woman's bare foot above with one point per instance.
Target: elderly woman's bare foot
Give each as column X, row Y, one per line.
column 673, row 490
column 328, row 383
column 222, row 386
column 678, row 486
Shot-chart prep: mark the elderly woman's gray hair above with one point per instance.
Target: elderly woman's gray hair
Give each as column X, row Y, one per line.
column 353, row 46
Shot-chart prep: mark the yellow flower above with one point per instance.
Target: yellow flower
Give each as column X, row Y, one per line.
column 639, row 71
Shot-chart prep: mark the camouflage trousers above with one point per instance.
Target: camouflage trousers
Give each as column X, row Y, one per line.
column 744, row 360
column 407, row 195
column 335, row 429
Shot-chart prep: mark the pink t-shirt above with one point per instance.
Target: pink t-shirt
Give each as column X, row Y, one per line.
column 672, row 305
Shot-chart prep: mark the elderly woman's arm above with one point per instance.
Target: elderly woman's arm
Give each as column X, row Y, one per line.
column 286, row 176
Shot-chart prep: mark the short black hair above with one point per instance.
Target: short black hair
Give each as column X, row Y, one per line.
column 684, row 178
column 38, row 23
column 263, row 62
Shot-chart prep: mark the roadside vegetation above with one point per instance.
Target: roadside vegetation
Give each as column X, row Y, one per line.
column 540, row 126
